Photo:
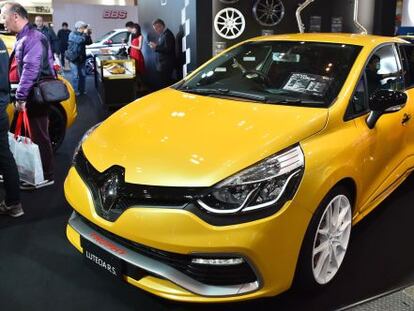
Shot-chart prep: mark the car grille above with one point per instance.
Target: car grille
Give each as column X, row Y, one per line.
column 130, row 195
column 206, row 274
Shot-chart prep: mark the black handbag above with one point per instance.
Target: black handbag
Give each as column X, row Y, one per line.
column 49, row 90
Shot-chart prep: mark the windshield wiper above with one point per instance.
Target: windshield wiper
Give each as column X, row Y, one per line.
column 294, row 101
column 225, row 92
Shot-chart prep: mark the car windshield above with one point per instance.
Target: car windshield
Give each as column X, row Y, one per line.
column 279, row 72
column 105, row 36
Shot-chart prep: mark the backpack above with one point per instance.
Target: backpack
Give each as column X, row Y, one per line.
column 72, row 53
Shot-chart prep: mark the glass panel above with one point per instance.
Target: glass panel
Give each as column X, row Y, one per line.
column 120, row 38
column 382, row 71
column 104, row 36
column 407, row 54
column 359, row 103
column 287, row 72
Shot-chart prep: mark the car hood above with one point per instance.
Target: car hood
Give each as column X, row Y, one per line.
column 171, row 138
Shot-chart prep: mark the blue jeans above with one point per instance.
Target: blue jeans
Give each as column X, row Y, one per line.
column 78, row 77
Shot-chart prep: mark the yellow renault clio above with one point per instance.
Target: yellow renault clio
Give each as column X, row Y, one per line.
column 249, row 174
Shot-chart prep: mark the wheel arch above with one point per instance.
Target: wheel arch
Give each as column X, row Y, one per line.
column 350, row 184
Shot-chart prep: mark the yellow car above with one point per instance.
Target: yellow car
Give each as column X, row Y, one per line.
column 249, row 174
column 61, row 116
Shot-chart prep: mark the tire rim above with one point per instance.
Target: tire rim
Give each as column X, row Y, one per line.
column 331, row 239
column 90, row 67
column 229, row 23
column 268, row 12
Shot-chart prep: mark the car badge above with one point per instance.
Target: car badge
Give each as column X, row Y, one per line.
column 109, row 192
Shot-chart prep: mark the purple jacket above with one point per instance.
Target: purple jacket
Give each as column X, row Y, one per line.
column 34, row 59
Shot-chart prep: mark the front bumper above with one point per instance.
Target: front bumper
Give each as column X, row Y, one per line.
column 270, row 245
column 151, row 266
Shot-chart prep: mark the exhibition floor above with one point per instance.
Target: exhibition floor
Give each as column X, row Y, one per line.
column 40, row 270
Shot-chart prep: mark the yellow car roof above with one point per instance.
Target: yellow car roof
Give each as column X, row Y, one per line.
column 340, row 38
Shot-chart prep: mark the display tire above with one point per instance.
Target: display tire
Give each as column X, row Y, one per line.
column 57, row 126
column 304, row 276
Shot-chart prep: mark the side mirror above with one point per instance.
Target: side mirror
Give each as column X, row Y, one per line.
column 108, row 42
column 384, row 101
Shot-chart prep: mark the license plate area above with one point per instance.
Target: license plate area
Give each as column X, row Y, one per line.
column 101, row 259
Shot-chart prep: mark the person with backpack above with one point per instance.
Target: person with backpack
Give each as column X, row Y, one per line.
column 76, row 55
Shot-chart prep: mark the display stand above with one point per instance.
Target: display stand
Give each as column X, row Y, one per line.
column 115, row 80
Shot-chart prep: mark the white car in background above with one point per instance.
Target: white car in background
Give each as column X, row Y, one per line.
column 111, row 42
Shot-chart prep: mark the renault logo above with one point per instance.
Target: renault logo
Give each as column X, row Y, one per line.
column 109, row 192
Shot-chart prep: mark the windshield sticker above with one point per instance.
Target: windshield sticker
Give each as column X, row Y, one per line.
column 220, row 69
column 249, row 59
column 308, row 83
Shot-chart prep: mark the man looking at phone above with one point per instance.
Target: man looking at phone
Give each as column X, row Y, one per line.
column 165, row 49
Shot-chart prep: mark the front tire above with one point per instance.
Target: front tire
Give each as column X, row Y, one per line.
column 57, row 126
column 326, row 241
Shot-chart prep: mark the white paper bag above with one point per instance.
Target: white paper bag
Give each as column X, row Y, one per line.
column 28, row 161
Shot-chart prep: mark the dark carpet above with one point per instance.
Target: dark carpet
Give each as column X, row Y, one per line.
column 40, row 270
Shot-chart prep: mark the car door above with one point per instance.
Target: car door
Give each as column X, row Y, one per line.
column 381, row 149
column 407, row 61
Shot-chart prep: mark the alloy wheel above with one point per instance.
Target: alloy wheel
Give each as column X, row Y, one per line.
column 331, row 239
column 229, row 23
column 90, row 66
column 268, row 13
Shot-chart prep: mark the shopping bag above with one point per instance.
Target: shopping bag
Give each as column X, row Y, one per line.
column 26, row 153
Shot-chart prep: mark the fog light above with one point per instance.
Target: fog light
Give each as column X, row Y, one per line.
column 218, row 261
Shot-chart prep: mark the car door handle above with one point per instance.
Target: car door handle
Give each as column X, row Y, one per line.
column 405, row 118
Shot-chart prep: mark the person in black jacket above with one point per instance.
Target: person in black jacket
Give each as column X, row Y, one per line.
column 165, row 49
column 49, row 33
column 63, row 35
column 11, row 205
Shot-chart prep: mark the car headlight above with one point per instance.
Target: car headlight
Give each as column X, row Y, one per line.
column 257, row 187
column 86, row 135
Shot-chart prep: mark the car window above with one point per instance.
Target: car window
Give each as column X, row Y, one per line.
column 105, row 36
column 383, row 70
column 407, row 59
column 304, row 73
column 359, row 102
column 119, row 38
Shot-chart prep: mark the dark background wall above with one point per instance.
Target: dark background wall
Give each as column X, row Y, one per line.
column 384, row 21
column 286, row 25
